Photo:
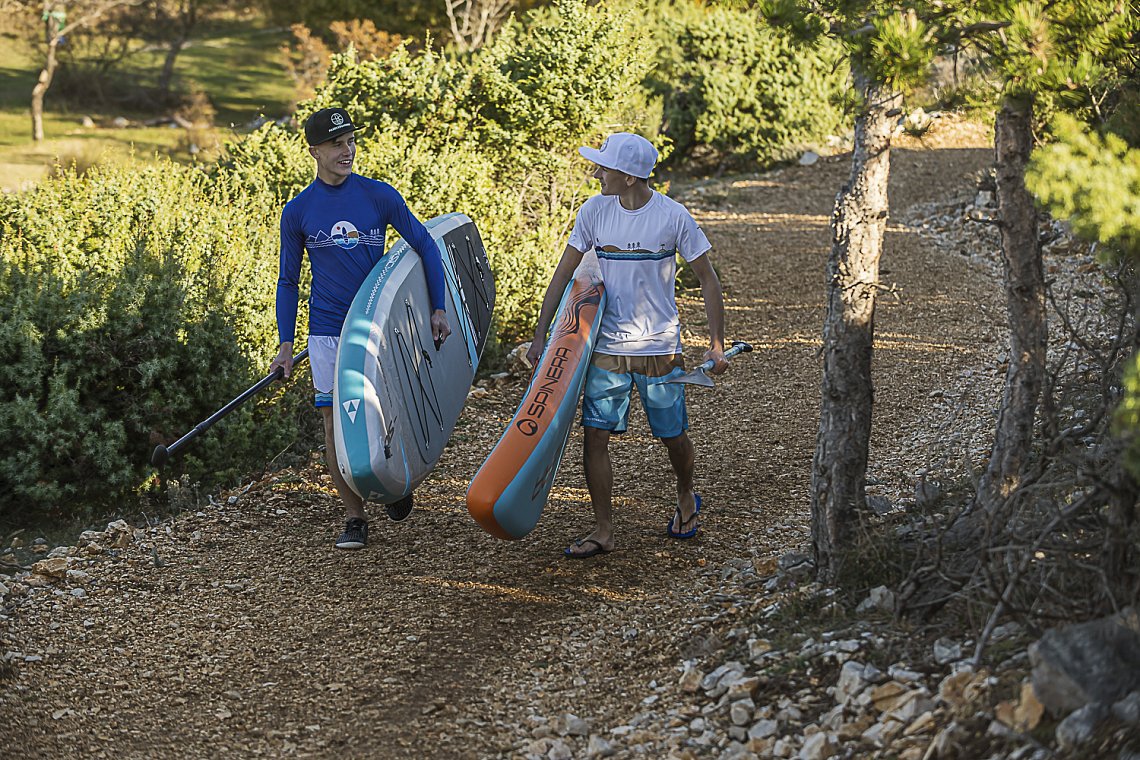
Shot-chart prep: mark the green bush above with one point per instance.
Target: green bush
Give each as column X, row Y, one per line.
column 132, row 304
column 731, row 83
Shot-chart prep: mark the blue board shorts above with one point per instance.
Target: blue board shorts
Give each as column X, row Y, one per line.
column 322, row 364
column 609, row 380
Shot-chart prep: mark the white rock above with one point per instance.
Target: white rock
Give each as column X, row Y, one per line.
column 881, row 734
column 851, row 681
column 762, row 729
column 809, row 158
column 881, row 598
column 899, row 673
column 559, row 751
column 915, row 703
column 947, row 651
column 736, row 751
column 740, row 713
column 818, row 747
column 729, row 670
column 785, row 747
column 599, row 747
column 1081, row 725
column 691, row 680
column 833, row 718
column 574, row 726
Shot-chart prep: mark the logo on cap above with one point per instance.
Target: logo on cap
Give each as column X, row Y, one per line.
column 337, row 119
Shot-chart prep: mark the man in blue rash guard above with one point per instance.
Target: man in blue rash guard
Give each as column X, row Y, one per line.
column 341, row 219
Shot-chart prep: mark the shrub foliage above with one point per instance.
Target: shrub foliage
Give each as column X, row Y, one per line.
column 131, row 303
column 730, row 82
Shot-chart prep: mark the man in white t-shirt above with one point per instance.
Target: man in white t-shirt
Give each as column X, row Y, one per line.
column 637, row 234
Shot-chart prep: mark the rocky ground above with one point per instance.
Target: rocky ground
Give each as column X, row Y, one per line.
column 235, row 630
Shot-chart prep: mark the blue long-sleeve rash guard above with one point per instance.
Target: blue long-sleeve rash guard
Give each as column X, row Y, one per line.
column 342, row 227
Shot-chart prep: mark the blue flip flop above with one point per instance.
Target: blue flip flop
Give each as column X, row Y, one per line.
column 677, row 517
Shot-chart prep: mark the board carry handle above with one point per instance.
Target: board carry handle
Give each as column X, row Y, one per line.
column 162, row 453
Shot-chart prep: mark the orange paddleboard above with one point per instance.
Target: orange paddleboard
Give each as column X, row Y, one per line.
column 509, row 492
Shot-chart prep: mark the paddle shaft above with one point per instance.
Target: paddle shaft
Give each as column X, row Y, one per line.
column 162, row 453
column 738, row 347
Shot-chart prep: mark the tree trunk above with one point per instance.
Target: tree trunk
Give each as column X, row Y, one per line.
column 167, row 75
column 187, row 21
column 839, row 467
column 42, row 84
column 1025, row 300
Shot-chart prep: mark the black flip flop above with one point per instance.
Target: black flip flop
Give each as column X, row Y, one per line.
column 596, row 550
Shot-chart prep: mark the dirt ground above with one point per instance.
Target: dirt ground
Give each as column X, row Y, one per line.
column 238, row 631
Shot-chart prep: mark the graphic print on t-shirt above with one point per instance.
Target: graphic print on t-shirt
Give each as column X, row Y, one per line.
column 344, row 235
column 615, row 253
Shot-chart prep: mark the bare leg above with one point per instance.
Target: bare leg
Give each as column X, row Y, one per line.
column 682, row 458
column 353, row 504
column 600, row 482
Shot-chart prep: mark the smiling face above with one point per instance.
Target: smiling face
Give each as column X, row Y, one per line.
column 334, row 158
column 613, row 181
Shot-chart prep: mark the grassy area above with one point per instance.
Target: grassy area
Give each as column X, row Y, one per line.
column 243, row 72
column 237, row 63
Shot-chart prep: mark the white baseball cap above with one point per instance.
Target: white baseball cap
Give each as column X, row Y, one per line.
column 624, row 152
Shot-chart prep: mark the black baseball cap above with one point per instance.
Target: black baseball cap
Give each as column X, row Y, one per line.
column 327, row 124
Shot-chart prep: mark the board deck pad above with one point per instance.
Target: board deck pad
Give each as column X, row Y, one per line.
column 506, row 497
column 397, row 396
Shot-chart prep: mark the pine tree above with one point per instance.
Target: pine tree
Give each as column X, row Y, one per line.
column 1046, row 57
column 889, row 49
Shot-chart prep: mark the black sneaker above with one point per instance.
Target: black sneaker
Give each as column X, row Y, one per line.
column 355, row 535
column 399, row 511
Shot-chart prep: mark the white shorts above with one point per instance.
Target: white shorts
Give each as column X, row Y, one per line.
column 322, row 365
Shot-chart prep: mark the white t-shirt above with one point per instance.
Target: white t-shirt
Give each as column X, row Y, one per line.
column 637, row 252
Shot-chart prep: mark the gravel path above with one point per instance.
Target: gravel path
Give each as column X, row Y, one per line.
column 238, row 631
